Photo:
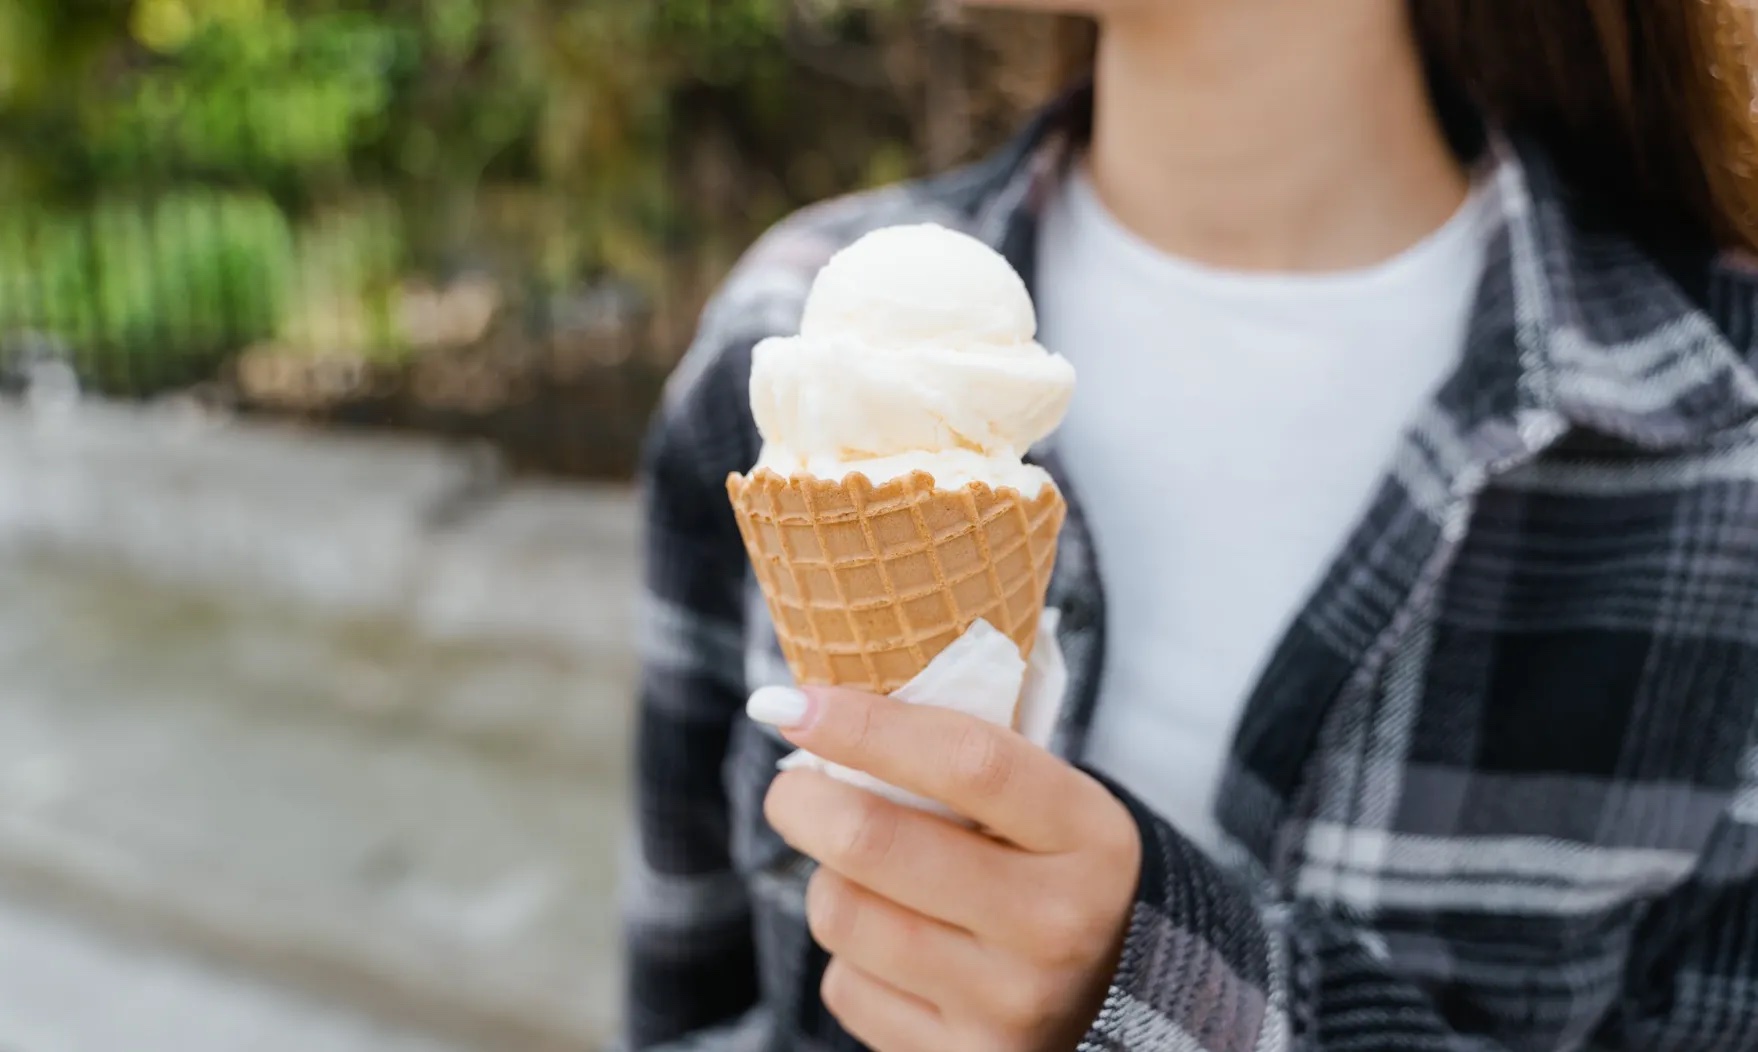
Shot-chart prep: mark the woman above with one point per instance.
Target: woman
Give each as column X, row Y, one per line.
column 1410, row 592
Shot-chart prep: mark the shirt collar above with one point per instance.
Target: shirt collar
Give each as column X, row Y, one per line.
column 1599, row 332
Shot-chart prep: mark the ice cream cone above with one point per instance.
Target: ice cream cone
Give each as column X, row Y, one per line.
column 866, row 584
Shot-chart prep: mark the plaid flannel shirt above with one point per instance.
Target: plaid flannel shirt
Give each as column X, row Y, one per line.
column 1498, row 786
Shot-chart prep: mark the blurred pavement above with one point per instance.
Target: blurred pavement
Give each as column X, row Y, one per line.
column 54, row 971
column 286, row 726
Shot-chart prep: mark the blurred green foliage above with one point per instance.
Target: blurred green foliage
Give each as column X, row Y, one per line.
column 186, row 177
column 205, row 270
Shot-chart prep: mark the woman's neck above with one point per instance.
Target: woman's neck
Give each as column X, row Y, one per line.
column 1270, row 134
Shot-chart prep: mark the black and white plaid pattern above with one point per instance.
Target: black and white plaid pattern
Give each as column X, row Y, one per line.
column 1498, row 788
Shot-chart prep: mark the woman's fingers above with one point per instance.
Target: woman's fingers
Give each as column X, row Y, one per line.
column 915, row 953
column 921, row 862
column 986, row 773
column 879, row 1015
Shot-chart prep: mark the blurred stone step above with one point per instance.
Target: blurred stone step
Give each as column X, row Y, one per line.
column 375, row 527
column 193, row 781
column 111, row 633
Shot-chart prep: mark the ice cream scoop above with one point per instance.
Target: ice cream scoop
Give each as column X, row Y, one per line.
column 916, row 352
column 890, row 510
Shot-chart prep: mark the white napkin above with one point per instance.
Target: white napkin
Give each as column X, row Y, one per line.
column 980, row 673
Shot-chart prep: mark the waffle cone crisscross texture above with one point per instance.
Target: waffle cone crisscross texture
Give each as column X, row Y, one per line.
column 866, row 584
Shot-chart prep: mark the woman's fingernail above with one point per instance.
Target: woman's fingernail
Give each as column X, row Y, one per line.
column 778, row 706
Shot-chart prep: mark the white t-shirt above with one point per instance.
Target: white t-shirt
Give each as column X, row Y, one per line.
column 1227, row 432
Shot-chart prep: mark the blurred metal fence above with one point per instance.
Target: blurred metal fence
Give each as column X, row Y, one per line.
column 207, row 293
column 297, row 238
column 214, row 291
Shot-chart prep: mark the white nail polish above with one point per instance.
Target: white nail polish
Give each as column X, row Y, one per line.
column 777, row 706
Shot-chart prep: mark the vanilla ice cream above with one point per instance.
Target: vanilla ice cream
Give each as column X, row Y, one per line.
column 916, row 352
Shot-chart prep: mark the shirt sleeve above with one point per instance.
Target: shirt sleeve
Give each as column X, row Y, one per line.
column 689, row 958
column 1209, row 964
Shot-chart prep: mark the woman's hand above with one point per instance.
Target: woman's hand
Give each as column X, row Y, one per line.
column 946, row 939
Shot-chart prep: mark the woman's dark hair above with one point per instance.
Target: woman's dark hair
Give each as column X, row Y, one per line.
column 1649, row 106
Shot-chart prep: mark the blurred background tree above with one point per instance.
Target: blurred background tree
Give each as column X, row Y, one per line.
column 462, row 214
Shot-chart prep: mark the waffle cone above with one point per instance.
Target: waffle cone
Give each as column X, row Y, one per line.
column 866, row 584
